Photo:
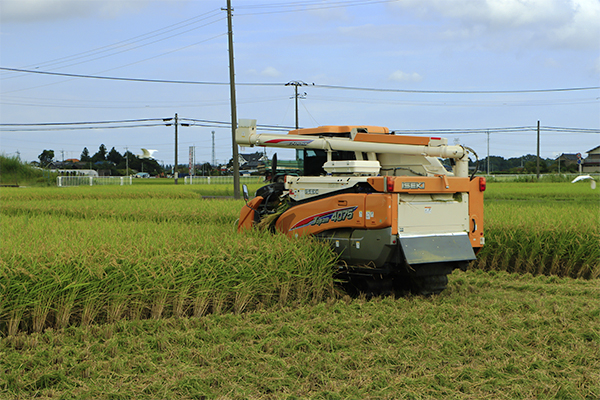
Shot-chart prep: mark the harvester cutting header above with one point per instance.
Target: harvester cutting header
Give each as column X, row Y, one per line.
column 387, row 205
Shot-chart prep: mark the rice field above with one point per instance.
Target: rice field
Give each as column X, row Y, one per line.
column 92, row 255
column 542, row 229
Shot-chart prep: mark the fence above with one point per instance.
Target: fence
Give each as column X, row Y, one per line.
column 220, row 180
column 68, row 181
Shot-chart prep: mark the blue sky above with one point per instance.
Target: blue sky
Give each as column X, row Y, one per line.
column 418, row 45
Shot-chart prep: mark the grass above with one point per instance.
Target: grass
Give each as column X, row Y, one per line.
column 490, row 335
column 14, row 172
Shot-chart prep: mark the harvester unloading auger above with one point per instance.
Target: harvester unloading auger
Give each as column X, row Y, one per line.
column 392, row 212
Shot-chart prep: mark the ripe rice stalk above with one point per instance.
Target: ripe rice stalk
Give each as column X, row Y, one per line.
column 219, row 303
column 42, row 306
column 136, row 308
column 284, row 291
column 593, row 271
column 507, row 258
column 64, row 308
column 14, row 321
column 91, row 308
column 116, row 308
column 200, row 305
column 180, row 302
column 243, row 297
column 158, row 305
column 268, row 222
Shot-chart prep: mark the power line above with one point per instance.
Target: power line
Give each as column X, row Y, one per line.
column 121, row 104
column 582, row 130
column 130, row 41
column 145, row 122
column 114, row 78
column 73, row 128
column 456, row 91
column 153, row 122
column 85, row 123
column 147, row 44
column 459, row 103
column 133, row 48
column 314, row 85
column 507, row 130
column 307, row 6
column 218, row 124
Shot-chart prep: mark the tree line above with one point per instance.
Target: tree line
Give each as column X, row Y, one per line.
column 125, row 164
column 525, row 165
column 116, row 164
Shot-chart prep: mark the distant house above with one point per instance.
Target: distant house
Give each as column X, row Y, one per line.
column 565, row 160
column 592, row 162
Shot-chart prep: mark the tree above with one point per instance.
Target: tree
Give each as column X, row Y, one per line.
column 85, row 155
column 100, row 154
column 114, row 156
column 46, row 157
column 205, row 169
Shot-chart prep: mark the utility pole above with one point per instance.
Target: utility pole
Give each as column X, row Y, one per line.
column 488, row 149
column 296, row 84
column 175, row 173
column 236, row 165
column 538, row 151
column 213, row 149
column 127, row 160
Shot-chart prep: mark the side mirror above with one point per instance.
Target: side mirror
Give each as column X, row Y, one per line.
column 245, row 192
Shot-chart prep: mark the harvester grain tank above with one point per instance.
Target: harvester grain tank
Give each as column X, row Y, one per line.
column 397, row 218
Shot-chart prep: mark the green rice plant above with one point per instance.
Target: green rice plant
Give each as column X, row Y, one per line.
column 97, row 263
column 552, row 229
column 542, row 191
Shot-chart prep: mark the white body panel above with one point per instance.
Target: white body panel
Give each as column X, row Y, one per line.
column 424, row 214
column 304, row 187
column 356, row 167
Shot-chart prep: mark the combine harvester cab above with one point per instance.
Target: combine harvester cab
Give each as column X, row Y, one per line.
column 397, row 218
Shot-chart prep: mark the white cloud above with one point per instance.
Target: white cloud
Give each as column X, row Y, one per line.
column 563, row 23
column 39, row 10
column 47, row 10
column 270, row 72
column 400, row 76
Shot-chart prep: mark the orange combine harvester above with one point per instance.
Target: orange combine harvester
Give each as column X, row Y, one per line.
column 397, row 218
